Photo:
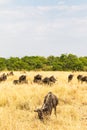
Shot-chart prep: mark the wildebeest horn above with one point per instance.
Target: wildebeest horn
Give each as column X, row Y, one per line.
column 36, row 110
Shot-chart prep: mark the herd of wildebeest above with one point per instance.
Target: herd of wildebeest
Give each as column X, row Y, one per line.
column 38, row 78
column 50, row 100
column 23, row 79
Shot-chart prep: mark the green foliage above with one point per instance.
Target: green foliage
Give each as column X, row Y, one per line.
column 73, row 63
column 34, row 62
column 13, row 63
column 2, row 63
column 66, row 62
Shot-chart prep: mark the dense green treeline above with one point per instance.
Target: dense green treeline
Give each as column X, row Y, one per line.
column 65, row 62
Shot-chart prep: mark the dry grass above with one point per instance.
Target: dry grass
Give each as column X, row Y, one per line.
column 17, row 103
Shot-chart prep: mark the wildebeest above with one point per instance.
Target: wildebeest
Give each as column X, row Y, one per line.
column 49, row 80
column 70, row 77
column 37, row 78
column 22, row 79
column 15, row 81
column 10, row 73
column 3, row 77
column 50, row 103
column 52, row 79
column 79, row 77
column 46, row 80
column 84, row 79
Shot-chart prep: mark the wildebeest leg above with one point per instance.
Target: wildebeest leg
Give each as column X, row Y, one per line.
column 50, row 110
column 55, row 111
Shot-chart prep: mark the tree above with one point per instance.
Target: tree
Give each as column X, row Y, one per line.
column 73, row 63
column 13, row 63
column 65, row 62
column 84, row 62
column 2, row 63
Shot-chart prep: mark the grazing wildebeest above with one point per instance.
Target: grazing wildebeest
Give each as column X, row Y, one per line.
column 49, row 80
column 84, row 79
column 50, row 103
column 22, row 79
column 3, row 77
column 79, row 77
column 37, row 78
column 10, row 73
column 46, row 80
column 70, row 77
column 52, row 79
column 15, row 81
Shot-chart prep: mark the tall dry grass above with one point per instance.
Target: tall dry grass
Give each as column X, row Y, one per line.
column 17, row 103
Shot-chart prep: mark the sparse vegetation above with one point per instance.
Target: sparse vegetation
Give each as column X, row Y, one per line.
column 17, row 103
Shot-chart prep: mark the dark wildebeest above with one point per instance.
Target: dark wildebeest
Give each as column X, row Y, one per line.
column 49, row 80
column 84, row 79
column 22, row 79
column 52, row 79
column 50, row 103
column 3, row 77
column 15, row 81
column 10, row 73
column 46, row 80
column 37, row 78
column 70, row 77
column 79, row 77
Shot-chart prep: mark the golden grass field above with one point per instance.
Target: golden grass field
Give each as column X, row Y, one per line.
column 17, row 103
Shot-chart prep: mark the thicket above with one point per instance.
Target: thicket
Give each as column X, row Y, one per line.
column 64, row 62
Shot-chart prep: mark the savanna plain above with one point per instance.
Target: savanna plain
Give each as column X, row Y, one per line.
column 18, row 102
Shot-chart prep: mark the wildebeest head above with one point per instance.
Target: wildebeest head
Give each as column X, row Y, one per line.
column 43, row 112
column 40, row 113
